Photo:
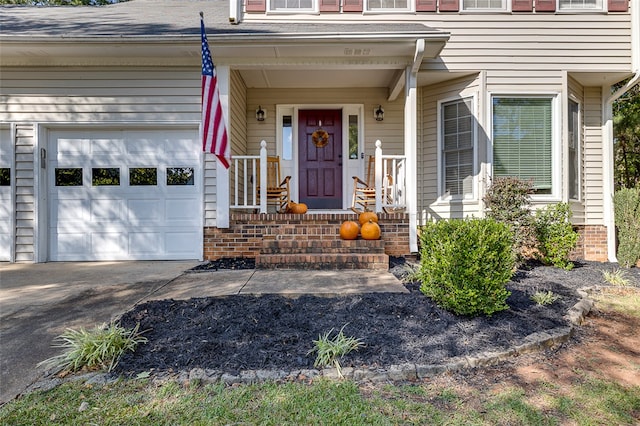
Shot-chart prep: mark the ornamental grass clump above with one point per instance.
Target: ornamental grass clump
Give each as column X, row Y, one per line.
column 544, row 298
column 331, row 350
column 466, row 264
column 95, row 349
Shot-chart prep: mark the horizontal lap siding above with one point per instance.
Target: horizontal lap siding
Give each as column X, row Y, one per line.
column 25, row 193
column 593, row 156
column 73, row 95
column 533, row 42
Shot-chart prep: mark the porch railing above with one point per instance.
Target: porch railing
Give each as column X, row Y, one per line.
column 390, row 180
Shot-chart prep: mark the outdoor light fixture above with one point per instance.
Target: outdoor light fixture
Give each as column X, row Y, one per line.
column 378, row 113
column 260, row 114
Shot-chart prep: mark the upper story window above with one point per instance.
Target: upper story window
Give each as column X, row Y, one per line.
column 291, row 5
column 580, row 4
column 479, row 5
column 381, row 5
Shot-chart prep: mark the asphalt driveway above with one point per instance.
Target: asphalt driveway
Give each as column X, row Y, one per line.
column 39, row 301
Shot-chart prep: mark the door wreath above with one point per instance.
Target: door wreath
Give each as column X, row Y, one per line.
column 320, row 138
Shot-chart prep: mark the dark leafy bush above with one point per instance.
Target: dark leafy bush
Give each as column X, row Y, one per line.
column 555, row 234
column 508, row 200
column 466, row 264
column 626, row 203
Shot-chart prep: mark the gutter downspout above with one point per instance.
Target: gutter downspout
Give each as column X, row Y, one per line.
column 608, row 189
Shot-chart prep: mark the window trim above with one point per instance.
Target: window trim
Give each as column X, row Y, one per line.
column 442, row 196
column 556, row 139
column 570, row 100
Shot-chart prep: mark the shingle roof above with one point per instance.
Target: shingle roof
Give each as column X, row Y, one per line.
column 166, row 19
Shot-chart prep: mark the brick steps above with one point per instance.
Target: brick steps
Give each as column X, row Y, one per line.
column 305, row 251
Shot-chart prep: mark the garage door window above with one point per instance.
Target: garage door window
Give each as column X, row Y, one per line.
column 143, row 176
column 105, row 176
column 180, row 176
column 5, row 176
column 69, row 176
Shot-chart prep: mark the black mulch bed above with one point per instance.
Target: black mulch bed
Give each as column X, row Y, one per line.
column 245, row 332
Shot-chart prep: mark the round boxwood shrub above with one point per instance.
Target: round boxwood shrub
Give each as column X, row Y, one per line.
column 466, row 264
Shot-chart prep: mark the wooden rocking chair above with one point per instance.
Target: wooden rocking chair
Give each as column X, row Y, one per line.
column 278, row 192
column 364, row 191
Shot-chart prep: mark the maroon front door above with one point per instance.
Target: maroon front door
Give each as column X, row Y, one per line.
column 320, row 158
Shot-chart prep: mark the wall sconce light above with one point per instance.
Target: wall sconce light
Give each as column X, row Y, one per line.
column 378, row 113
column 260, row 114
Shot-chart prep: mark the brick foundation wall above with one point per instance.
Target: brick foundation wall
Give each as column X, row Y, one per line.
column 246, row 232
column 592, row 244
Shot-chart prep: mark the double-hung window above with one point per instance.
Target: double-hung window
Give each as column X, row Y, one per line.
column 457, row 148
column 388, row 5
column 580, row 5
column 523, row 134
column 291, row 5
column 484, row 5
column 574, row 150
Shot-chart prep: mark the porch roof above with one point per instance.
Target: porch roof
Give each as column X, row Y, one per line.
column 166, row 32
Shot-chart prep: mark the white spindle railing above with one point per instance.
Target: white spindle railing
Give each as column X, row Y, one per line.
column 245, row 173
column 390, row 180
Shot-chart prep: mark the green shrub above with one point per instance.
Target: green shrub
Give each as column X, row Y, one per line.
column 555, row 234
column 626, row 204
column 465, row 265
column 508, row 200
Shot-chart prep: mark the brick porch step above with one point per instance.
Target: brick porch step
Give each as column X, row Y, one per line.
column 322, row 246
column 332, row 254
column 320, row 261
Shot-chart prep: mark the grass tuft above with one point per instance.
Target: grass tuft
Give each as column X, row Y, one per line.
column 330, row 350
column 617, row 277
column 98, row 348
column 544, row 298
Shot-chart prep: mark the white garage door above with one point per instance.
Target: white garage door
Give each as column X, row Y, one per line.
column 125, row 195
column 6, row 204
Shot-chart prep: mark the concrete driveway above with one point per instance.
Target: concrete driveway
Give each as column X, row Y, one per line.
column 39, row 301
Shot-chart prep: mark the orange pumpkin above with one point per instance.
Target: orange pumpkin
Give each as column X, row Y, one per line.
column 298, row 208
column 366, row 217
column 370, row 231
column 349, row 230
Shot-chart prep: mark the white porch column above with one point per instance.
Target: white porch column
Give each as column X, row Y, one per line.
column 378, row 176
column 411, row 152
column 263, row 176
column 222, row 173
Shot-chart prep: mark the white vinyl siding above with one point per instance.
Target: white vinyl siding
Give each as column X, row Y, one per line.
column 457, row 148
column 25, row 199
column 523, row 140
column 593, row 156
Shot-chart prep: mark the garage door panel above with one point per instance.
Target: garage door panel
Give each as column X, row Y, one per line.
column 144, row 212
column 146, row 243
column 136, row 214
column 107, row 210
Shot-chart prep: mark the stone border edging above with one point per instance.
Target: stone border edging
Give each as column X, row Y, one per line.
column 393, row 373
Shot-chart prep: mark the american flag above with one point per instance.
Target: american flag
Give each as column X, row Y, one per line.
column 212, row 128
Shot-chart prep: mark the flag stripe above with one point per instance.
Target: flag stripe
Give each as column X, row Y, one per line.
column 214, row 132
